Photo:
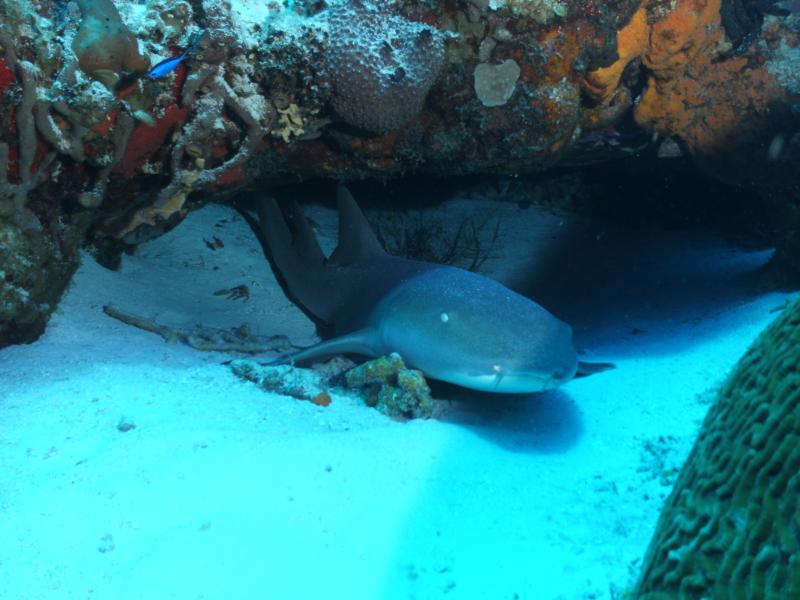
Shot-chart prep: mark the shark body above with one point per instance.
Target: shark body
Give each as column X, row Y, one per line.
column 452, row 324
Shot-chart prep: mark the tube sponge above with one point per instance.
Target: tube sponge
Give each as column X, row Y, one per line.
column 104, row 43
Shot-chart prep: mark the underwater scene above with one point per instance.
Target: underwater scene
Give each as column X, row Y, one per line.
column 400, row 299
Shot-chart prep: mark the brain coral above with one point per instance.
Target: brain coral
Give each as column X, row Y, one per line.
column 731, row 528
column 382, row 66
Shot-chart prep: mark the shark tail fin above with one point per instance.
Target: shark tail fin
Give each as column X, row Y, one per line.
column 356, row 238
column 295, row 252
column 305, row 241
column 275, row 232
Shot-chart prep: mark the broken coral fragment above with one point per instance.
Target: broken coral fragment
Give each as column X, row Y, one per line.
column 495, row 84
column 301, row 384
column 237, row 340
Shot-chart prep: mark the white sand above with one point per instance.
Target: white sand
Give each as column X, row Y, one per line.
column 224, row 491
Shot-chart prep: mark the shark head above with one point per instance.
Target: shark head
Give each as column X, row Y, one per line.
column 472, row 331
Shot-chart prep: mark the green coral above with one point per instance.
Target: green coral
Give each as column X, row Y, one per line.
column 731, row 528
column 392, row 388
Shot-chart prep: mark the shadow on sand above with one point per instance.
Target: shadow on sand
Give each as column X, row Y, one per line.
column 545, row 423
column 616, row 285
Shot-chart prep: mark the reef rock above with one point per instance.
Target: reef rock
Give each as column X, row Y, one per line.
column 350, row 89
column 35, row 268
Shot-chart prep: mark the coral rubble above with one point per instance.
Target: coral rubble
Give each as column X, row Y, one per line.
column 392, row 388
column 238, row 340
column 284, row 380
column 384, row 383
column 731, row 527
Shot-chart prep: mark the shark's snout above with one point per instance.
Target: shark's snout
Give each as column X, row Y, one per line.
column 530, row 380
column 509, row 380
column 561, row 376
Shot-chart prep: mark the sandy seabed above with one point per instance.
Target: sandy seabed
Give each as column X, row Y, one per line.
column 222, row 490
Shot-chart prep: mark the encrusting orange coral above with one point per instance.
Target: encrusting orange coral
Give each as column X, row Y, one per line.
column 632, row 39
column 693, row 91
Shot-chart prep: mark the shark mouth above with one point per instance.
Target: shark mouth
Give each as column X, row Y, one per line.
column 504, row 382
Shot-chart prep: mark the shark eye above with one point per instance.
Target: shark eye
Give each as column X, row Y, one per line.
column 444, row 317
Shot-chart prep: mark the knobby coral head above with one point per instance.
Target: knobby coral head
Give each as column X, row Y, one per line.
column 382, row 65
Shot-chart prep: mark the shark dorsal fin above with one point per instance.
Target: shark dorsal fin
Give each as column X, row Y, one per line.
column 356, row 238
column 305, row 242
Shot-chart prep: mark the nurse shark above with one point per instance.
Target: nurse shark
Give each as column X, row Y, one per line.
column 452, row 324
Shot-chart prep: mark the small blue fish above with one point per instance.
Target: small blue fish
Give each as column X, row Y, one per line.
column 166, row 66
column 170, row 64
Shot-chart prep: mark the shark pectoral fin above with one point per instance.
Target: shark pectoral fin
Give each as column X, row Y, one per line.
column 357, row 342
column 591, row 368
